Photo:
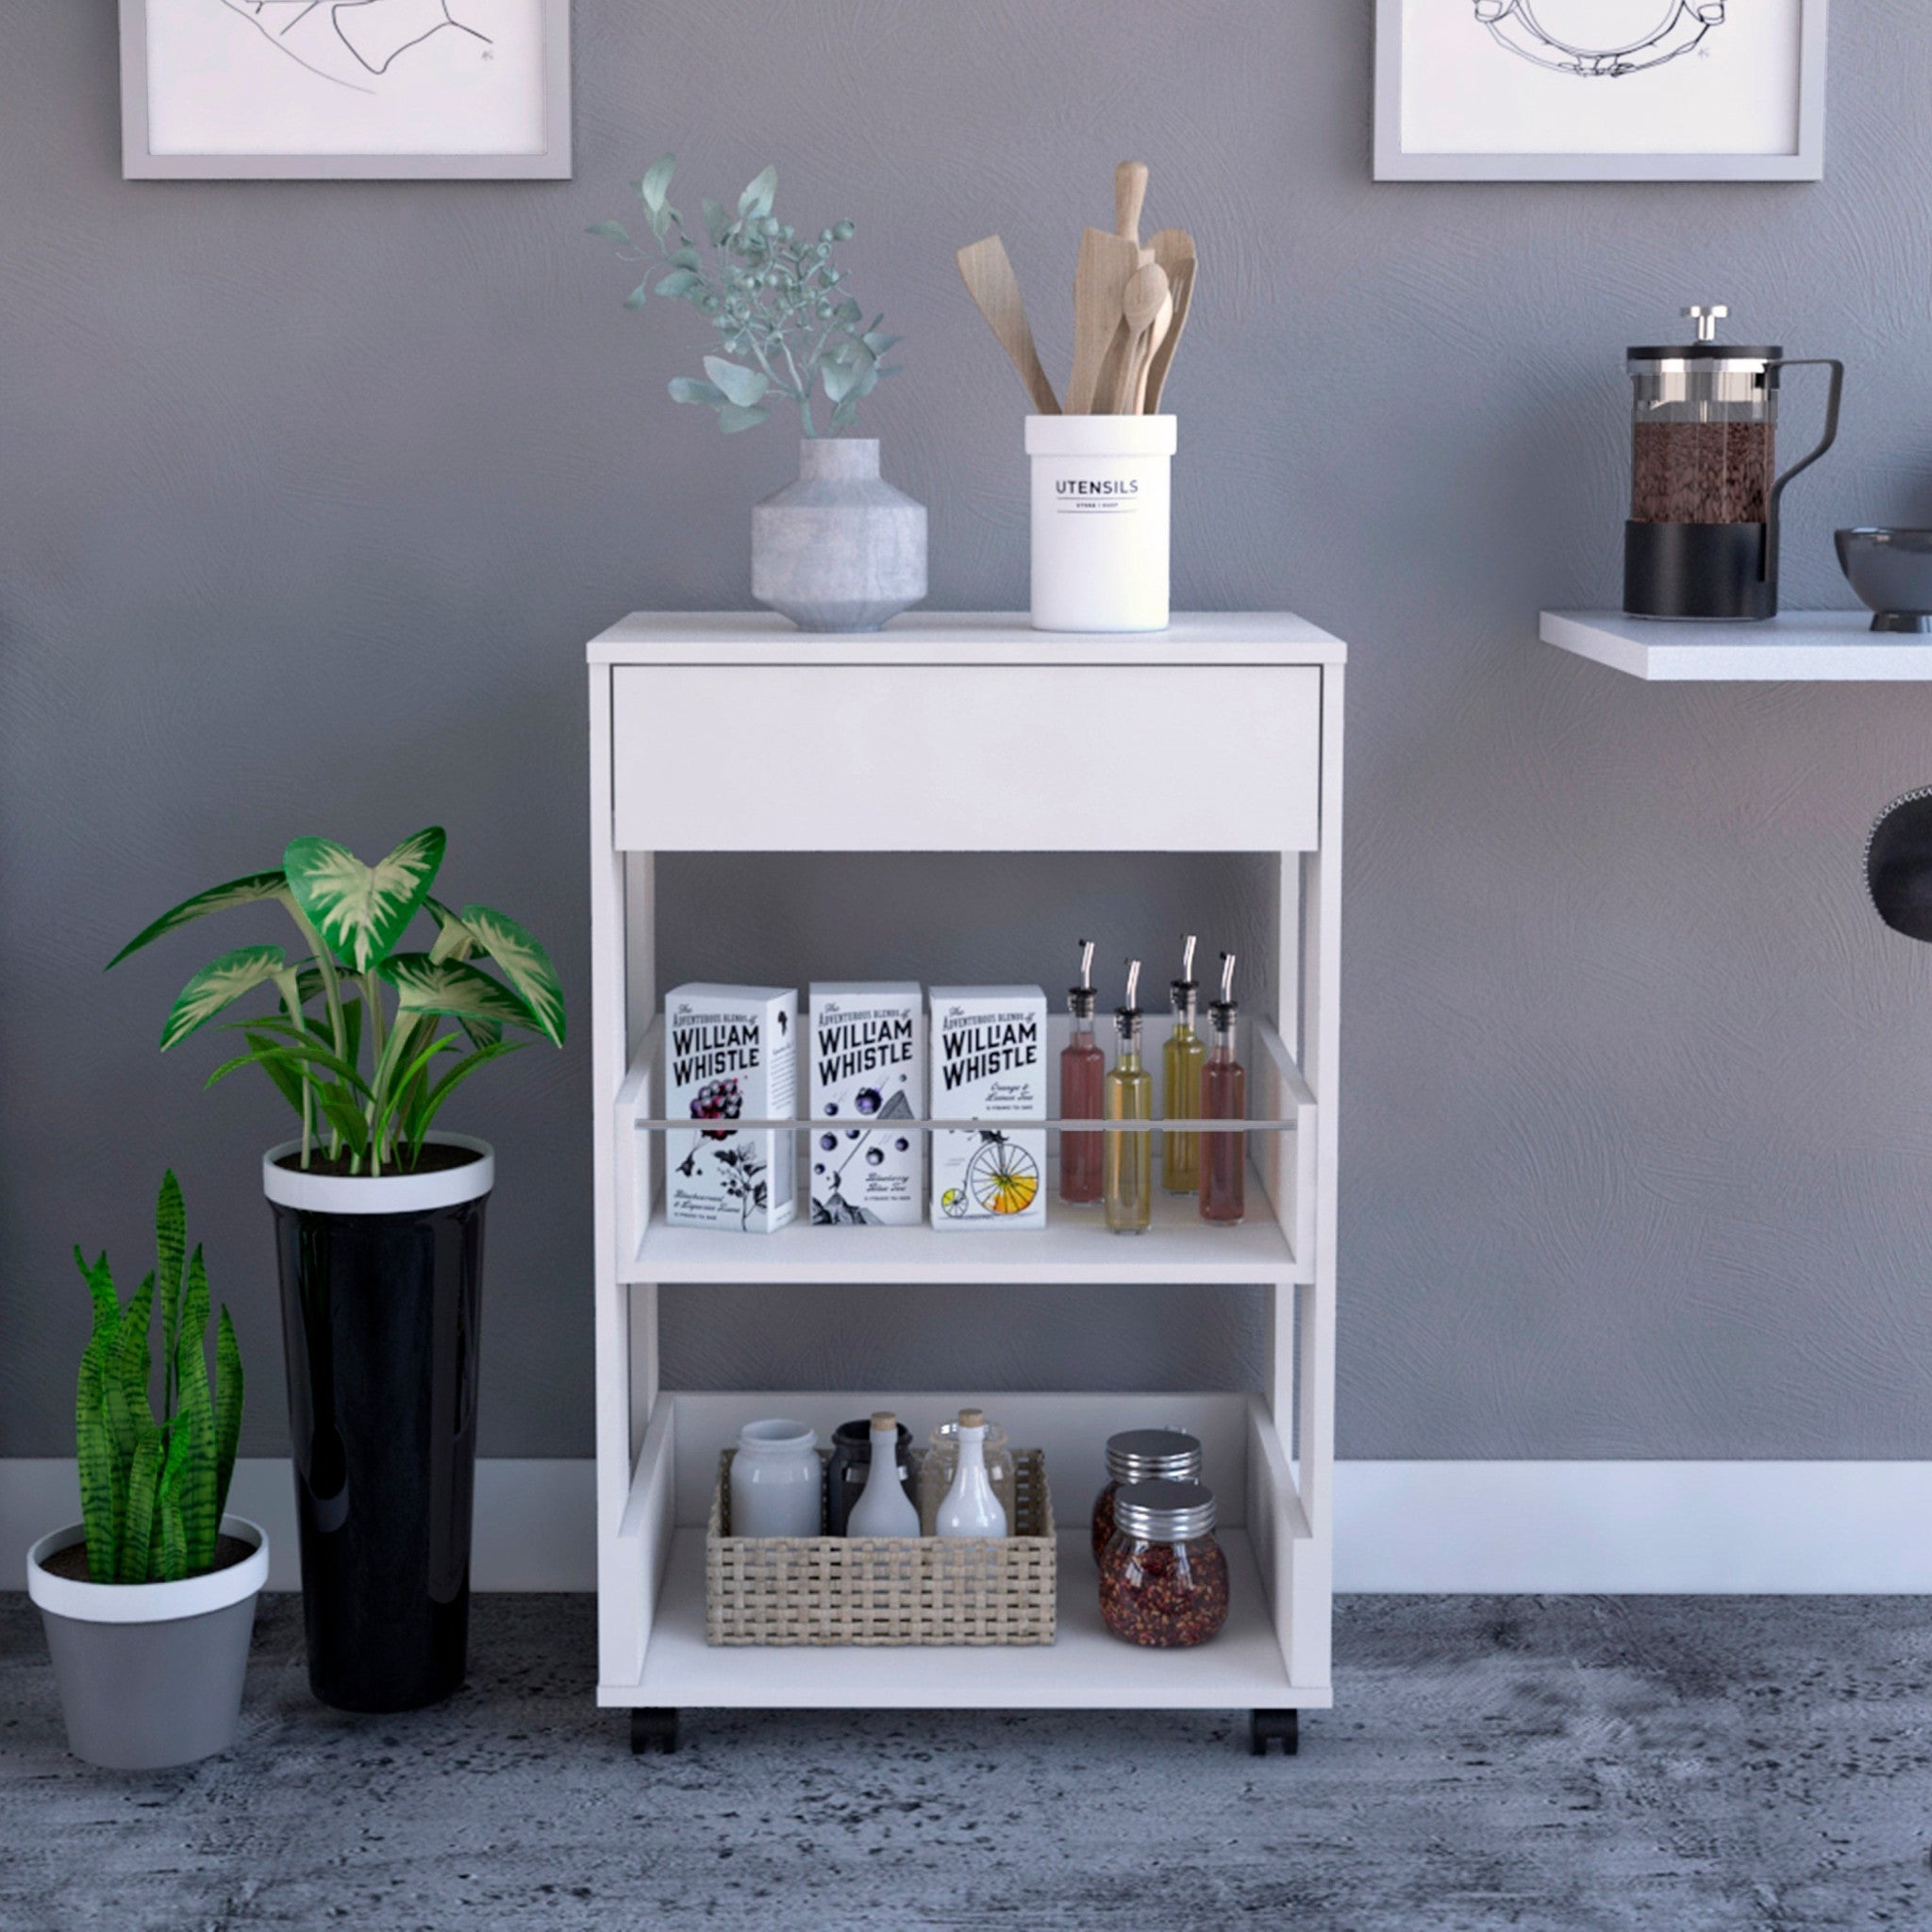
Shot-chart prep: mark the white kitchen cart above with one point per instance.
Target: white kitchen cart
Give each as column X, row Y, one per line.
column 802, row 706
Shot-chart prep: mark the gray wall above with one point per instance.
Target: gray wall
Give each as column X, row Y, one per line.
column 309, row 495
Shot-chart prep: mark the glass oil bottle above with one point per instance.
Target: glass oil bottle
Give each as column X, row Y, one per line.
column 1083, row 1074
column 1181, row 1061
column 1224, row 1097
column 1129, row 1163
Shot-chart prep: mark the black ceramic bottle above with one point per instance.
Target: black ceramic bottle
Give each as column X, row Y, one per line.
column 851, row 1464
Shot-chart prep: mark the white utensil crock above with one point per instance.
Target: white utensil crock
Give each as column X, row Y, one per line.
column 1100, row 521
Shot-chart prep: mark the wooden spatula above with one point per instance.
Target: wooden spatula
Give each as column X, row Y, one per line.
column 1174, row 249
column 1100, row 282
column 991, row 281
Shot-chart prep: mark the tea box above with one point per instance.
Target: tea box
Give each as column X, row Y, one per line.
column 868, row 1076
column 730, row 1052
column 989, row 1064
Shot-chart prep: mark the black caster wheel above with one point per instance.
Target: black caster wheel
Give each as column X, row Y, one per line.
column 653, row 1730
column 1266, row 1727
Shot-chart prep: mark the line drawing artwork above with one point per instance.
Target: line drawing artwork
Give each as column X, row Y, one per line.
column 353, row 43
column 1516, row 25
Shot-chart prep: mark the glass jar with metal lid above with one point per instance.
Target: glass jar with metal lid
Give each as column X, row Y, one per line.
column 1137, row 1456
column 1164, row 1578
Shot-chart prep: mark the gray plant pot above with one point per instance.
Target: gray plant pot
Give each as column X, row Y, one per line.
column 150, row 1673
column 840, row 549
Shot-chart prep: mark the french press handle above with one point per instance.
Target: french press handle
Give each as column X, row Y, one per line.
column 1767, row 569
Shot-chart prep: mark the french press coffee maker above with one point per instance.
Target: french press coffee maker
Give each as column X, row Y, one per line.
column 1701, row 539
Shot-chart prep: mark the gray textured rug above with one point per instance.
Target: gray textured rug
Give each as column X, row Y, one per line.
column 1563, row 1764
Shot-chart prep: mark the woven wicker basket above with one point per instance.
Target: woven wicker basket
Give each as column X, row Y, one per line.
column 883, row 1589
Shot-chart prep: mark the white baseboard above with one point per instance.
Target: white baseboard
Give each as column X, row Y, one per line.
column 1771, row 1528
column 1635, row 1528
column 535, row 1522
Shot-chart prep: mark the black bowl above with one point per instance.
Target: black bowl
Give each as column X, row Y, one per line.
column 1891, row 572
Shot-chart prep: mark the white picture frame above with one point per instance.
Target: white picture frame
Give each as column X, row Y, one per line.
column 1443, row 96
column 345, row 90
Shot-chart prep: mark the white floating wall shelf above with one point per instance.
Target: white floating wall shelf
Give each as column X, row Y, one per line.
column 1819, row 646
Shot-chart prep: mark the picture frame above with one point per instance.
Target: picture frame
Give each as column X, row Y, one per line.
column 1499, row 91
column 345, row 90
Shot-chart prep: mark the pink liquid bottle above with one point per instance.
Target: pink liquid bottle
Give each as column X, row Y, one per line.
column 1224, row 1097
column 1083, row 1076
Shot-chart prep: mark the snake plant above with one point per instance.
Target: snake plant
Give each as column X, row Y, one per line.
column 374, row 1107
column 152, row 1489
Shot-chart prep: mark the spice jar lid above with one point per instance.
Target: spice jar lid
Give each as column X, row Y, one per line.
column 1163, row 1512
column 1135, row 1456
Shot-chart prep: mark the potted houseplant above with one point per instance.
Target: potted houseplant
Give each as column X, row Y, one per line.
column 149, row 1600
column 840, row 549
column 378, row 1233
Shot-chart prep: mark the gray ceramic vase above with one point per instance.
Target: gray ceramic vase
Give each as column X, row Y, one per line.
column 150, row 1673
column 840, row 549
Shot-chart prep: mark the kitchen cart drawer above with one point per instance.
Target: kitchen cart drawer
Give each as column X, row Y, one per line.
column 936, row 757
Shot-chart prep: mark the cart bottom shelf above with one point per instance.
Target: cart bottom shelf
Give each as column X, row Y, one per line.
column 1084, row 1668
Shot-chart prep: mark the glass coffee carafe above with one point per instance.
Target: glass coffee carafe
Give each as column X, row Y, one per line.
column 1701, row 539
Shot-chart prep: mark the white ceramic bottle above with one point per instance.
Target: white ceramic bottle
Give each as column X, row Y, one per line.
column 777, row 1481
column 971, row 1508
column 883, row 1507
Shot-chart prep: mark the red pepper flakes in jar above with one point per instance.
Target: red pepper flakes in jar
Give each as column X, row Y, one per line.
column 1139, row 1455
column 1164, row 1578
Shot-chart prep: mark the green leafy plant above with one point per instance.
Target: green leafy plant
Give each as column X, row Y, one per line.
column 152, row 1489
column 776, row 297
column 352, row 918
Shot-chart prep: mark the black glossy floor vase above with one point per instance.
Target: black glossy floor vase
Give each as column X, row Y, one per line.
column 381, row 1299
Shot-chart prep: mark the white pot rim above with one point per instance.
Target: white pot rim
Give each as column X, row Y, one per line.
column 145, row 1603
column 1101, row 436
column 389, row 1193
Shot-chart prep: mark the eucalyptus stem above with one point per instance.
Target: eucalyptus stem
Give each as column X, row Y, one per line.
column 774, row 297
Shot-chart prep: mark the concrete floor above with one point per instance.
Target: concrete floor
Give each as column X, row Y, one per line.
column 1568, row 1763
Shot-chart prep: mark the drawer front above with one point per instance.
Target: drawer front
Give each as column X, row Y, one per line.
column 943, row 758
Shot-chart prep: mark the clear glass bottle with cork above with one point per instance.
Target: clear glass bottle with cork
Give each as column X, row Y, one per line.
column 1083, row 1077
column 1224, row 1097
column 1129, row 1163
column 1181, row 1061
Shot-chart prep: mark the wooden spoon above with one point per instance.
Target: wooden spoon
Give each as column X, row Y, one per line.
column 1174, row 249
column 1129, row 197
column 1107, row 263
column 990, row 279
column 1157, row 335
column 1139, row 306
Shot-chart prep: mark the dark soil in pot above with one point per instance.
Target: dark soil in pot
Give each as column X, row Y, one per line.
column 71, row 1563
column 436, row 1157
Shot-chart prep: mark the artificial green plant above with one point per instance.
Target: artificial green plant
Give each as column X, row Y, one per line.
column 352, row 918
column 776, row 298
column 152, row 1489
